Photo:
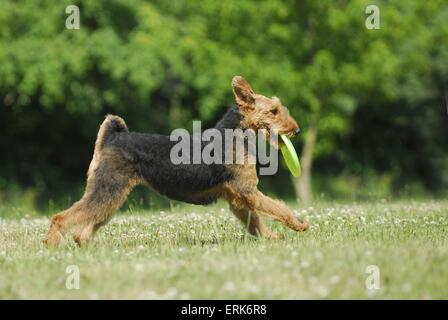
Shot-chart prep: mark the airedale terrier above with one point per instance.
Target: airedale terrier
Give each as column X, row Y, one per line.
column 124, row 159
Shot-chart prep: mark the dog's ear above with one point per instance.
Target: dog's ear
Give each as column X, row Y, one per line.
column 244, row 95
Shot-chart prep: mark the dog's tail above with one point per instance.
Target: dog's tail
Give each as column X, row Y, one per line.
column 111, row 125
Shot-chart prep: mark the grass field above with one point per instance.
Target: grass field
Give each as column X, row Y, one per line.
column 202, row 252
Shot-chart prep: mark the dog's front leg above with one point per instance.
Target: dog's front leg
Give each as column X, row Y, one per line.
column 275, row 209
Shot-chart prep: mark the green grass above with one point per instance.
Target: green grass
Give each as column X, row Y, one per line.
column 202, row 252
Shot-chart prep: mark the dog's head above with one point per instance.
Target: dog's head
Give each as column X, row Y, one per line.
column 263, row 113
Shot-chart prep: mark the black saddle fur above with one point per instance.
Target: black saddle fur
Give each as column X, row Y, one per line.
column 149, row 155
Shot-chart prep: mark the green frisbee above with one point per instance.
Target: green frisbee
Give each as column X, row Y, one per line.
column 290, row 156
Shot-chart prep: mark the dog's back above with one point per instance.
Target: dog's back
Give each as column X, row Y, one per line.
column 149, row 154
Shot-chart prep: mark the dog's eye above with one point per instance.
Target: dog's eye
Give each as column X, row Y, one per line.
column 274, row 111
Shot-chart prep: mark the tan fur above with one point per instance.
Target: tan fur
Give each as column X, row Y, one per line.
column 248, row 204
column 261, row 113
column 245, row 200
column 98, row 204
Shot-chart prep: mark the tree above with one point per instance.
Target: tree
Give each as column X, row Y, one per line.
column 161, row 64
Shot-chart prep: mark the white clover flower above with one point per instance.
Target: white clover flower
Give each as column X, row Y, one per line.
column 229, row 286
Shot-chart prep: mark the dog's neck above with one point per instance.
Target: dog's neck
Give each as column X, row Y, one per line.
column 231, row 120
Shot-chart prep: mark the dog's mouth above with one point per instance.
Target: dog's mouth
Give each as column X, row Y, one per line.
column 290, row 134
column 274, row 136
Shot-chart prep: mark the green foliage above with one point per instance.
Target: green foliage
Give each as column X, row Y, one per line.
column 161, row 64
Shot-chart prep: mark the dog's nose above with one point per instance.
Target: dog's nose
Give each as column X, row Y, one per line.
column 297, row 131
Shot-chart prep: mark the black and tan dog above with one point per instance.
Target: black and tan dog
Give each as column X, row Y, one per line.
column 124, row 159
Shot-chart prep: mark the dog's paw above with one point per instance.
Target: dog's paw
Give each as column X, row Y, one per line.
column 298, row 225
column 52, row 240
column 305, row 226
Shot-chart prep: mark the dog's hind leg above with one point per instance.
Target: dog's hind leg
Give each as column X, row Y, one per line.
column 108, row 185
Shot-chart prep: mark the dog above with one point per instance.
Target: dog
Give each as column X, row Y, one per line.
column 124, row 159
